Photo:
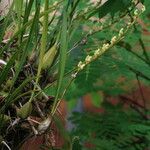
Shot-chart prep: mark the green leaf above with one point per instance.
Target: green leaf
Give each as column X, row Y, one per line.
column 26, row 16
column 43, row 40
column 111, row 7
column 25, row 110
column 19, row 10
column 27, row 46
column 7, row 69
column 11, row 97
column 4, row 118
column 49, row 57
column 97, row 98
column 62, row 55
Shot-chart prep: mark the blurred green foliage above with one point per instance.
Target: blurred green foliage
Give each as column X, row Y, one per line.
column 77, row 28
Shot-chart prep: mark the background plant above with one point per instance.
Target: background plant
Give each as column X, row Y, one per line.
column 49, row 39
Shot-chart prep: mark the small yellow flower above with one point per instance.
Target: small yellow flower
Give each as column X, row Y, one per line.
column 74, row 75
column 88, row 59
column 121, row 32
column 113, row 40
column 136, row 12
column 105, row 46
column 129, row 23
column 97, row 52
column 81, row 65
column 143, row 8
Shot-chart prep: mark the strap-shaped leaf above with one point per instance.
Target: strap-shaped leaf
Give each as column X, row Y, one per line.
column 7, row 69
column 62, row 56
column 11, row 97
column 25, row 51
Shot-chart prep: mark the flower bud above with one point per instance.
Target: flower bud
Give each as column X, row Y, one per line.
column 81, row 65
column 105, row 46
column 113, row 40
column 88, row 59
column 136, row 12
column 97, row 52
column 121, row 32
column 143, row 8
